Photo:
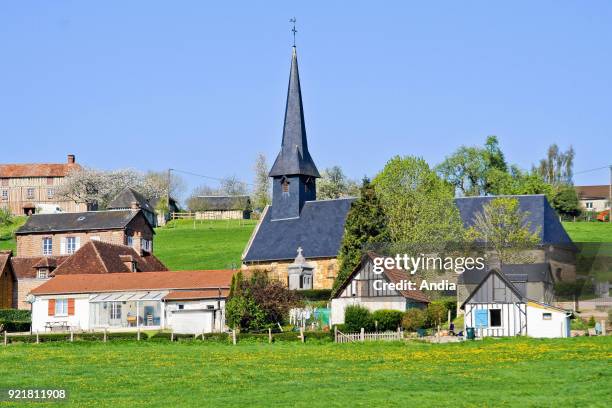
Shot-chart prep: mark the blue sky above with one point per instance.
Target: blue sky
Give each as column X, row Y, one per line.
column 201, row 86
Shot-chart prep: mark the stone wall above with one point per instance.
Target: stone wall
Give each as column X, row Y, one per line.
column 324, row 273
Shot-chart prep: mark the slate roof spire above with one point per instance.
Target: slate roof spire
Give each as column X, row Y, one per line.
column 294, row 158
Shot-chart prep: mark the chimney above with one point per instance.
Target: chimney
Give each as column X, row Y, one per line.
column 134, row 205
column 71, row 159
column 129, row 262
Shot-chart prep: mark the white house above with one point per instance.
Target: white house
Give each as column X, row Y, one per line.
column 497, row 308
column 375, row 291
column 185, row 301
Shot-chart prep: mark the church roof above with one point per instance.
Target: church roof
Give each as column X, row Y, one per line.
column 540, row 215
column 294, row 157
column 318, row 230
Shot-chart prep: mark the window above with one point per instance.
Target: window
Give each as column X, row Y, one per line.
column 42, row 273
column 115, row 311
column 50, row 193
column 285, row 184
column 5, row 194
column 495, row 317
column 547, row 316
column 130, row 241
column 181, row 307
column 71, row 245
column 210, row 307
column 589, row 205
column 47, row 244
column 30, row 192
column 61, row 307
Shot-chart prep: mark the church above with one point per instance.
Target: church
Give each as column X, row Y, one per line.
column 298, row 237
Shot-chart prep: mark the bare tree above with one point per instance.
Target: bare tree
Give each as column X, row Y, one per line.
column 261, row 191
column 232, row 186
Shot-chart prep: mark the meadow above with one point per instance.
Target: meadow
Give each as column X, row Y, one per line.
column 205, row 244
column 589, row 231
column 7, row 239
column 507, row 372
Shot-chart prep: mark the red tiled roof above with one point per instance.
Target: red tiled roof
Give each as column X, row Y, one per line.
column 197, row 294
column 120, row 282
column 24, row 267
column 102, row 257
column 593, row 192
column 37, row 169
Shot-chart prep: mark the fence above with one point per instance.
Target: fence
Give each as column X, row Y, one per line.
column 362, row 336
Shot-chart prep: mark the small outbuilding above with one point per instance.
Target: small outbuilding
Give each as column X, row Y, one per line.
column 387, row 290
column 497, row 308
column 222, row 207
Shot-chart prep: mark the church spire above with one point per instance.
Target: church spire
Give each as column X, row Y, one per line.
column 294, row 158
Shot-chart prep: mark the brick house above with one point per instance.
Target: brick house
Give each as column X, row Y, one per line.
column 95, row 257
column 27, row 188
column 63, row 234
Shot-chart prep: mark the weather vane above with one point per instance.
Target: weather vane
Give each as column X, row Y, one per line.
column 293, row 30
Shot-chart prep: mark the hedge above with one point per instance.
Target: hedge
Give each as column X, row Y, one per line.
column 15, row 315
column 315, row 294
column 14, row 326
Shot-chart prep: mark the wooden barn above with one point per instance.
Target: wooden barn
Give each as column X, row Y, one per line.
column 496, row 308
column 222, row 207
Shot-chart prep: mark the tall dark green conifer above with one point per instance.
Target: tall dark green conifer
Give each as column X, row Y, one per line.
column 366, row 223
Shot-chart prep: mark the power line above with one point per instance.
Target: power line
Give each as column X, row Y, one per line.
column 588, row 171
column 206, row 177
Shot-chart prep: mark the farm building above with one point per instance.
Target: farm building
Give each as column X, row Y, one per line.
column 221, row 207
column 92, row 258
column 185, row 301
column 63, row 234
column 375, row 291
column 164, row 212
column 27, row 188
column 128, row 199
column 296, row 219
column 496, row 308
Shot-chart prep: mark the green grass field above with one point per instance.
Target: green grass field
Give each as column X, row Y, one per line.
column 518, row 372
column 210, row 245
column 7, row 240
column 589, row 231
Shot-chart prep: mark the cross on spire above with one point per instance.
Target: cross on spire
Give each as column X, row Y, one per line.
column 293, row 30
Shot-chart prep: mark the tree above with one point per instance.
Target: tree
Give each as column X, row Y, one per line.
column 193, row 202
column 6, row 218
column 334, row 184
column 419, row 205
column 557, row 167
column 261, row 191
column 436, row 312
column 565, row 201
column 232, row 186
column 155, row 185
column 517, row 182
column 502, row 226
column 413, row 319
column 366, row 224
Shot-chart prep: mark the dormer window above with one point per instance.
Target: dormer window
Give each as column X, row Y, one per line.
column 42, row 273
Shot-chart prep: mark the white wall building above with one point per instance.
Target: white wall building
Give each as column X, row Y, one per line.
column 185, row 302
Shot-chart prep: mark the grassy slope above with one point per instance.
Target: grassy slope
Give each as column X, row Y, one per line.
column 518, row 372
column 211, row 245
column 589, row 231
column 7, row 241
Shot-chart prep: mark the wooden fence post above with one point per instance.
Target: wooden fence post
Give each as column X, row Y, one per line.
column 104, row 335
column 172, row 335
column 71, row 335
column 138, row 334
column 5, row 338
column 234, row 336
column 37, row 339
column 269, row 335
column 362, row 336
column 302, row 334
column 335, row 334
column 399, row 333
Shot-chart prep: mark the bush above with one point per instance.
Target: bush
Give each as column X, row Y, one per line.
column 413, row 319
column 358, row 317
column 387, row 319
column 436, row 313
column 15, row 315
column 315, row 294
column 578, row 324
column 591, row 322
column 14, row 326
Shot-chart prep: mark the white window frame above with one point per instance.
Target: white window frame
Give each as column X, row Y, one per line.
column 50, row 193
column 47, row 249
column 61, row 307
column 30, row 191
column 501, row 318
column 71, row 245
column 589, row 204
column 115, row 311
column 42, row 273
column 5, row 194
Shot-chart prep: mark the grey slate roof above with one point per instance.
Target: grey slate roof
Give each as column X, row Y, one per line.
column 541, row 215
column 125, row 199
column 318, row 230
column 294, row 157
column 83, row 221
column 221, row 203
column 536, row 272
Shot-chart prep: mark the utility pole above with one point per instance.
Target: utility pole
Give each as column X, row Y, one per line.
column 610, row 198
column 169, row 178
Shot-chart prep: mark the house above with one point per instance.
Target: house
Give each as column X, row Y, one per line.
column 185, row 301
column 534, row 281
column 296, row 219
column 594, row 198
column 387, row 290
column 26, row 188
column 63, row 234
column 222, row 207
column 7, row 280
column 555, row 247
column 496, row 308
column 129, row 198
column 163, row 215
column 95, row 257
